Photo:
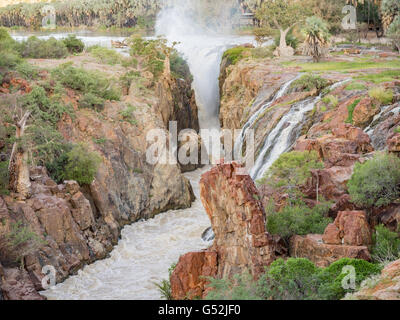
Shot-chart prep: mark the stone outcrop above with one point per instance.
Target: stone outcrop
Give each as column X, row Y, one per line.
column 348, row 237
column 313, row 248
column 384, row 287
column 350, row 228
column 241, row 242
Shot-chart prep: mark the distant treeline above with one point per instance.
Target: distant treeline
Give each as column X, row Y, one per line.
column 75, row 13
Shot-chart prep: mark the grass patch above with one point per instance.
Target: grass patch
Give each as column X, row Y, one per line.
column 382, row 95
column 105, row 55
column 356, row 86
column 351, row 108
column 358, row 64
column 234, row 55
column 385, row 76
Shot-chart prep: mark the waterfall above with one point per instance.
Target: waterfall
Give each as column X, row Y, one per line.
column 202, row 44
column 252, row 120
column 285, row 134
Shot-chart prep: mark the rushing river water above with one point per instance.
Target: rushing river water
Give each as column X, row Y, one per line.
column 142, row 257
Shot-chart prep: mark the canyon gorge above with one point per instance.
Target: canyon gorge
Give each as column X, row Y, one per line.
column 136, row 225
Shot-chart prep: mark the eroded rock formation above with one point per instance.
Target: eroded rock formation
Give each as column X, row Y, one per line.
column 241, row 242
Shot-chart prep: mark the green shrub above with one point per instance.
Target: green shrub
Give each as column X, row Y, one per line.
column 293, row 279
column 309, row 82
column 43, row 107
column 382, row 95
column 27, row 71
column 262, row 52
column 393, row 32
column 129, row 77
column 105, row 55
column 330, row 278
column 386, row 245
column 43, row 49
column 351, row 109
column 86, row 81
column 234, row 55
column 331, row 101
column 56, row 166
column 376, row 182
column 82, row 165
column 291, row 170
column 9, row 59
column 73, row 44
column 298, row 220
column 241, row 287
column 91, row 101
column 4, row 177
column 127, row 114
column 164, row 287
column 179, row 67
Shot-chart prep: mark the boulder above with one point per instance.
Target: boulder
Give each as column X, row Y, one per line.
column 350, row 228
column 313, row 248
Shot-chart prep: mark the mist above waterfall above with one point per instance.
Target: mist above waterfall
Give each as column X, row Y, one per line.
column 203, row 29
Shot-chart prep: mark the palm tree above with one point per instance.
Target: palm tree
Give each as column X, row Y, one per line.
column 317, row 38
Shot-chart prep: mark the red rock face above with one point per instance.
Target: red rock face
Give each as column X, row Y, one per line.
column 350, row 228
column 241, row 241
column 313, row 248
column 187, row 280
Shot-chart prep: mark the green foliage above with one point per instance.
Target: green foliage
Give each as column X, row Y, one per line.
column 262, row 52
column 330, row 278
column 234, row 55
column 356, row 86
column 309, row 82
column 73, row 44
column 56, row 166
column 23, row 241
column 241, row 287
column 350, row 110
column 291, row 40
column 179, row 67
column 43, row 49
column 4, row 177
column 85, row 81
column 384, row 76
column 82, row 165
column 164, row 287
column 317, row 38
column 299, row 220
column 394, row 33
column 27, row 71
column 292, row 170
column 382, row 95
column 376, row 182
column 89, row 13
column 127, row 114
column 43, row 107
column 106, row 56
column 331, row 101
column 91, row 101
column 294, row 279
column 386, row 245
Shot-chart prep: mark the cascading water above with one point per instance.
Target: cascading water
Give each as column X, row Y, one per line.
column 148, row 248
column 286, row 132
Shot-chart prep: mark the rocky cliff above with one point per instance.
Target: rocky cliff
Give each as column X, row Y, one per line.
column 241, row 241
column 75, row 225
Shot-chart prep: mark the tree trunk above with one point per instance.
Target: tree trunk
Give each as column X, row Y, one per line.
column 18, row 167
column 284, row 50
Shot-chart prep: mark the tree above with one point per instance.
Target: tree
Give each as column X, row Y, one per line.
column 291, row 171
column 317, row 38
column 389, row 10
column 376, row 182
column 82, row 165
column 394, row 33
column 282, row 15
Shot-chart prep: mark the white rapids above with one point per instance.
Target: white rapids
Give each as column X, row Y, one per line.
column 142, row 257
